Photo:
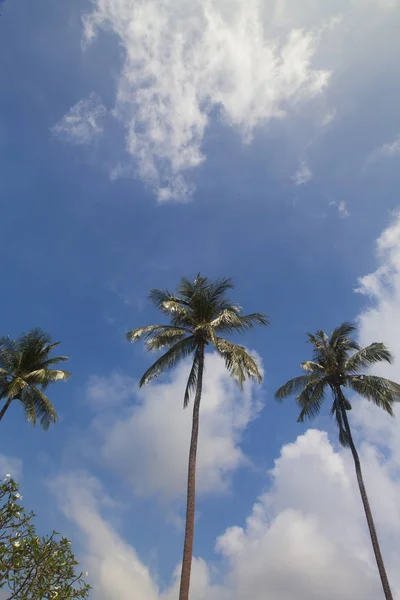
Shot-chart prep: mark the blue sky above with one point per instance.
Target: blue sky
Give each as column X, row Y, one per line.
column 145, row 141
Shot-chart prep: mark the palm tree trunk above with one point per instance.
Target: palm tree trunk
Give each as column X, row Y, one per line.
column 191, row 489
column 5, row 407
column 371, row 526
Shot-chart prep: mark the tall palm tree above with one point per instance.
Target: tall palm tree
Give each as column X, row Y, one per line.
column 198, row 313
column 338, row 363
column 26, row 371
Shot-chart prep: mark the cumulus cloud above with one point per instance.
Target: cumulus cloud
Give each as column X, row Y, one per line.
column 184, row 60
column 83, row 122
column 303, row 174
column 147, row 443
column 305, row 538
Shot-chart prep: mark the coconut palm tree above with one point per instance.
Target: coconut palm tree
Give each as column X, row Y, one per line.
column 338, row 363
column 26, row 371
column 198, row 313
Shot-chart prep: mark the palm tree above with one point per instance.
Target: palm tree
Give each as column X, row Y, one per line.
column 198, row 313
column 25, row 372
column 337, row 362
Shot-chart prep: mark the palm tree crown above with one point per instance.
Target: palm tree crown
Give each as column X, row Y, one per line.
column 198, row 313
column 337, row 362
column 26, row 371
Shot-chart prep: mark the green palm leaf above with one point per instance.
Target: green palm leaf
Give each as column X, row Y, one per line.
column 366, row 357
column 312, row 367
column 170, row 359
column 238, row 361
column 382, row 392
column 25, row 372
column 150, row 331
column 293, row 386
column 193, row 377
column 310, row 399
column 44, row 410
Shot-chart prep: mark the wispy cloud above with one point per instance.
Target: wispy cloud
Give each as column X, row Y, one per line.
column 341, row 208
column 329, row 118
column 303, row 174
column 387, row 150
column 182, row 61
column 83, row 122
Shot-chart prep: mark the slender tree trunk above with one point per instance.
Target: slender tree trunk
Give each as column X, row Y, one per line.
column 191, row 489
column 371, row 526
column 5, row 407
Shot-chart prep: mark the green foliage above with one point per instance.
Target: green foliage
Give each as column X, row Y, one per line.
column 34, row 567
column 198, row 311
column 337, row 361
column 26, row 371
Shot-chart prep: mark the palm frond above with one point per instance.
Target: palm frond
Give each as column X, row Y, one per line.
column 175, row 307
column 54, row 361
column 193, row 376
column 179, row 351
column 44, row 410
column 238, row 361
column 382, row 392
column 294, row 386
column 341, row 342
column 310, row 399
column 166, row 339
column 148, row 331
column 230, row 320
column 366, row 357
column 312, row 367
column 29, row 409
column 221, row 286
column 44, row 377
column 14, row 387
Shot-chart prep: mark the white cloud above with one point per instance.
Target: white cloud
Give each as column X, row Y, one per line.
column 329, row 117
column 305, row 538
column 148, row 443
column 114, row 567
column 387, row 150
column 341, row 207
column 380, row 321
column 185, row 59
column 10, row 465
column 83, row 122
column 303, row 174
